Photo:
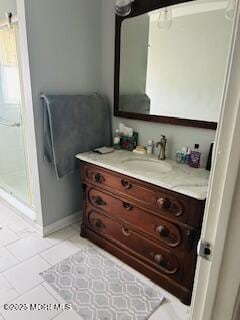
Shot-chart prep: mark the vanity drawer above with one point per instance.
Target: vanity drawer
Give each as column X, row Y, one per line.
column 160, row 258
column 167, row 233
column 170, row 205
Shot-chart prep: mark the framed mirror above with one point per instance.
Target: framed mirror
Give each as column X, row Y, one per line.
column 170, row 61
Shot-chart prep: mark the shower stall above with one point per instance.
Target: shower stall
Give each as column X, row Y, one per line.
column 14, row 168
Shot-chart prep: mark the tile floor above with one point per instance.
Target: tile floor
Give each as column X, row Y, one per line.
column 24, row 254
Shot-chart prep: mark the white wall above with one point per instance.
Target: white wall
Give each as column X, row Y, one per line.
column 177, row 135
column 187, row 65
column 64, row 41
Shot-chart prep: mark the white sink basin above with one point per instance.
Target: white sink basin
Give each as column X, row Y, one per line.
column 147, row 165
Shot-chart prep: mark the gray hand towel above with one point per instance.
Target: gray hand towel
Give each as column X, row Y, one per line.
column 74, row 124
column 136, row 103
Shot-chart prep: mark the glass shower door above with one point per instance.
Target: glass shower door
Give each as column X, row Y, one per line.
column 14, row 173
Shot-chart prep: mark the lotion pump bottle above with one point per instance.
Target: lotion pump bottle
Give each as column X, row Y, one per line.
column 150, row 147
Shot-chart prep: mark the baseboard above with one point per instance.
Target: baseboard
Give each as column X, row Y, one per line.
column 58, row 225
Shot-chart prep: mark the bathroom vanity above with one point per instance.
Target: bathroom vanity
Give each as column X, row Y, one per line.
column 147, row 213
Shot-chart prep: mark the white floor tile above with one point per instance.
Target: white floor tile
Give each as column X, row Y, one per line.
column 7, row 217
column 28, row 247
column 3, row 208
column 76, row 226
column 54, row 293
column 25, row 275
column 169, row 312
column 7, row 292
column 7, row 260
column 21, row 228
column 79, row 241
column 61, row 235
column 59, row 252
column 68, row 315
column 15, row 283
column 7, row 237
column 38, row 295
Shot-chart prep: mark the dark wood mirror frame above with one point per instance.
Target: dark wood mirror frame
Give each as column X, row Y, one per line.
column 140, row 7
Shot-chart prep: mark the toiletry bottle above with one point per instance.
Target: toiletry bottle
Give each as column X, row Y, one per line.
column 150, row 147
column 184, row 153
column 116, row 139
column 188, row 156
column 195, row 157
column 178, row 156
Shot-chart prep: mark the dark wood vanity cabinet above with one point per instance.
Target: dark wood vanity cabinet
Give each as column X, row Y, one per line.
column 152, row 229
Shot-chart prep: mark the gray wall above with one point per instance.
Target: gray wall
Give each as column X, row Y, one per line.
column 177, row 136
column 64, row 39
column 7, row 6
column 134, row 55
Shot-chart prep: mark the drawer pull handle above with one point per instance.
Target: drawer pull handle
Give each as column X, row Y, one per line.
column 126, row 184
column 163, row 263
column 158, row 258
column 163, row 203
column 98, row 223
column 127, row 206
column 163, row 231
column 98, row 201
column 126, row 232
column 99, row 178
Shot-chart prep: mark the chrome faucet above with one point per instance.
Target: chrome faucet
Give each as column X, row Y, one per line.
column 162, row 152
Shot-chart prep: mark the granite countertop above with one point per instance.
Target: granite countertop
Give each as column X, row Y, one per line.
column 170, row 175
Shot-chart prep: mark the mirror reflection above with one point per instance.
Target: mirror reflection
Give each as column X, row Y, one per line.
column 173, row 60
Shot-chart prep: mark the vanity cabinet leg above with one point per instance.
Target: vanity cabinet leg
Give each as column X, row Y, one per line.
column 83, row 232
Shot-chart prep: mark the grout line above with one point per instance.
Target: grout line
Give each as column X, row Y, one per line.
column 25, row 292
column 2, row 316
column 45, row 287
column 44, row 281
column 49, row 291
column 12, row 287
column 38, row 253
column 10, row 243
column 50, row 265
column 13, row 256
column 14, row 266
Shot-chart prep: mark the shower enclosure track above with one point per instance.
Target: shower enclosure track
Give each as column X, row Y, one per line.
column 7, row 123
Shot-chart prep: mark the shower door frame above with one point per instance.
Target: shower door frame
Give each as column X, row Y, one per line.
column 34, row 212
column 11, row 124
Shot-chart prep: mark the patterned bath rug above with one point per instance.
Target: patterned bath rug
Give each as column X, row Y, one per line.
column 99, row 289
